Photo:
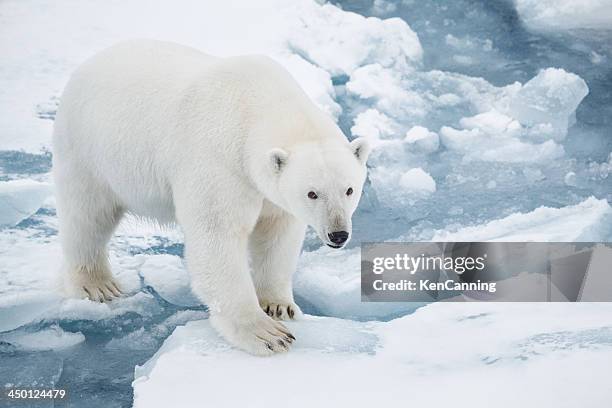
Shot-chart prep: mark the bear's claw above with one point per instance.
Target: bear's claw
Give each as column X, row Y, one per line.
column 281, row 311
column 102, row 291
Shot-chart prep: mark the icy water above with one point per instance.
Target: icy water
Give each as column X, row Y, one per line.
column 487, row 39
column 475, row 38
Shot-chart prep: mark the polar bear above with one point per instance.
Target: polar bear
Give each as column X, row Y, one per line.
column 231, row 149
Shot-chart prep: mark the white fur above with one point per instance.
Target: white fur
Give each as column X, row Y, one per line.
column 229, row 149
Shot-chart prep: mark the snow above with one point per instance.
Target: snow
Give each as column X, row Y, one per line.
column 561, row 15
column 21, row 198
column 587, row 221
column 537, row 349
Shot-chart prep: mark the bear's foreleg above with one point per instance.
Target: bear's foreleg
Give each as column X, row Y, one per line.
column 216, row 241
column 275, row 246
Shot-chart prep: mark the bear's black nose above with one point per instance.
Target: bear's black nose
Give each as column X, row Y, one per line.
column 338, row 237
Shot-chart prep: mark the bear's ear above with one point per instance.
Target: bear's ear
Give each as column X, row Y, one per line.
column 361, row 149
column 278, row 159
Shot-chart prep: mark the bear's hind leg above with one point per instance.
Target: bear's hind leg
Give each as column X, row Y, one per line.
column 275, row 246
column 88, row 215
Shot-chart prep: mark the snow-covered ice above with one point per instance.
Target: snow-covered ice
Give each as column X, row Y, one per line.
column 21, row 198
column 587, row 221
column 53, row 338
column 423, row 139
column 540, row 350
column 566, row 14
column 167, row 274
column 328, row 283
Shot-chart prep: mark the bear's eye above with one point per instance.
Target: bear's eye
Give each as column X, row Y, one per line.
column 349, row 191
column 312, row 195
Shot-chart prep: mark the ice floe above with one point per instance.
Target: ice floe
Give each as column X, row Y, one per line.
column 328, row 282
column 562, row 15
column 52, row 338
column 590, row 220
column 21, row 198
column 537, row 349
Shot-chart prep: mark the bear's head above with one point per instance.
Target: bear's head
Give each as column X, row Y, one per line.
column 320, row 183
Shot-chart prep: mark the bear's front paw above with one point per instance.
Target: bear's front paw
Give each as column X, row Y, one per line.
column 259, row 335
column 102, row 291
column 97, row 288
column 281, row 310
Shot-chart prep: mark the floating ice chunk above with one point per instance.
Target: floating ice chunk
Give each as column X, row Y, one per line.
column 52, row 338
column 416, row 184
column 492, row 122
column 340, row 41
column 513, row 124
column 422, row 139
column 552, row 97
column 380, row 130
column 493, row 136
column 600, row 171
column 328, row 282
column 21, row 198
column 536, row 346
column 590, row 220
column 373, row 125
column 18, row 309
column 383, row 7
column 570, row 178
column 417, row 181
column 477, row 145
column 562, row 15
column 468, row 43
column 28, row 276
column 390, row 93
column 596, row 58
column 169, row 277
